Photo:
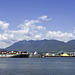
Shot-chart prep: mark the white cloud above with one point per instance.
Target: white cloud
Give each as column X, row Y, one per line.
column 74, row 31
column 27, row 22
column 28, row 31
column 4, row 44
column 31, row 29
column 38, row 36
column 44, row 18
column 4, row 25
column 58, row 35
column 41, row 28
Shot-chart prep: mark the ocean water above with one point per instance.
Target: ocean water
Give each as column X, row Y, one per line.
column 37, row 66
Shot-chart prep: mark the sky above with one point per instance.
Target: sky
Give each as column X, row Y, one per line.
column 36, row 20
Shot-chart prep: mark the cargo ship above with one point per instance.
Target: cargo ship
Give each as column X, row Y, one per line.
column 14, row 54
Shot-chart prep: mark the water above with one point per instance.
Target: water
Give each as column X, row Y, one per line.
column 37, row 66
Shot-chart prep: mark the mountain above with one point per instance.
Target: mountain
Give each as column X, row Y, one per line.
column 41, row 46
column 71, row 42
column 3, row 50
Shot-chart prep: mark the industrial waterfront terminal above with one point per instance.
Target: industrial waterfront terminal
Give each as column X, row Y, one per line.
column 24, row 54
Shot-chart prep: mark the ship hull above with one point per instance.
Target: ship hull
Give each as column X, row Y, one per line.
column 14, row 55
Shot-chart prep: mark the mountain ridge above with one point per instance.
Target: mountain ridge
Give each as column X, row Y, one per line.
column 41, row 46
column 71, row 42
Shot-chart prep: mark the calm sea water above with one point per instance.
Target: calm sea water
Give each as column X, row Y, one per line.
column 37, row 66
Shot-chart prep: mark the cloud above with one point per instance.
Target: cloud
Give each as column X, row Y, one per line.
column 31, row 30
column 3, row 44
column 45, row 18
column 38, row 36
column 58, row 35
column 31, row 24
column 30, row 27
column 27, row 22
column 28, row 31
column 4, row 25
column 74, row 31
column 41, row 28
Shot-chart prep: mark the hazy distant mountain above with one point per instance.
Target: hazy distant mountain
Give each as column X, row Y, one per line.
column 72, row 42
column 41, row 46
column 2, row 50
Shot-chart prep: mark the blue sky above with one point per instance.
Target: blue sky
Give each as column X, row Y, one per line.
column 61, row 12
column 46, row 19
